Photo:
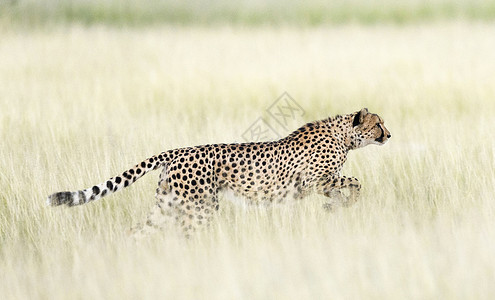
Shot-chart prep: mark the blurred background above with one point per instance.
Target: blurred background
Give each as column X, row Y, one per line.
column 242, row 12
column 89, row 88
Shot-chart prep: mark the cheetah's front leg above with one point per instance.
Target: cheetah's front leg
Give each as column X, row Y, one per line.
column 333, row 187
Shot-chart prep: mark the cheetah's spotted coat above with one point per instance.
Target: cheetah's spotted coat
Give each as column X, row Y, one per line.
column 310, row 159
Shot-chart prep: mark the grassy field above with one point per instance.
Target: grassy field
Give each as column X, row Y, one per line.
column 241, row 12
column 81, row 104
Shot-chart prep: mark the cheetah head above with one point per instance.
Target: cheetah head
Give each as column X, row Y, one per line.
column 369, row 129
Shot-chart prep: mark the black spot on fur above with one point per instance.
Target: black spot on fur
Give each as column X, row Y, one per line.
column 96, row 190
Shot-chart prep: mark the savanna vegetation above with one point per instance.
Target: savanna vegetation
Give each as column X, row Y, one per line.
column 88, row 90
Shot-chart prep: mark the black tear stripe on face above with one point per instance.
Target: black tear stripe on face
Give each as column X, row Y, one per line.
column 380, row 139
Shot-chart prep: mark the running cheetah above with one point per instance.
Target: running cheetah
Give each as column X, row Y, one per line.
column 308, row 160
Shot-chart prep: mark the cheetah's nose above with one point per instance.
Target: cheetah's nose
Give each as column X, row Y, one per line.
column 389, row 135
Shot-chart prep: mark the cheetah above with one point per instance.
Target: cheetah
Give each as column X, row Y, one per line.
column 308, row 160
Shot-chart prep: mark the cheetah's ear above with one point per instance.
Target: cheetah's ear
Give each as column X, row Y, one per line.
column 359, row 117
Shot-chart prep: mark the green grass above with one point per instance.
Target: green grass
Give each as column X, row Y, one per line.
column 242, row 12
column 80, row 104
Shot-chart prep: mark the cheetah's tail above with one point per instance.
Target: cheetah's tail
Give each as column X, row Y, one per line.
column 110, row 186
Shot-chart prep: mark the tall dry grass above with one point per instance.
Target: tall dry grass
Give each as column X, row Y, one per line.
column 78, row 105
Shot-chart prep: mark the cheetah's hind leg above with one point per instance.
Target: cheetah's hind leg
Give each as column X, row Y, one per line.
column 173, row 213
column 159, row 218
